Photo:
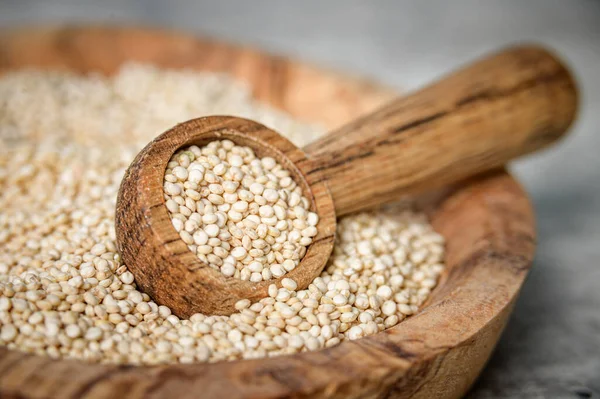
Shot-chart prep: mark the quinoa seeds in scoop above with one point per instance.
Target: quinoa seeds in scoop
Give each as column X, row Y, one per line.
column 240, row 214
column 64, row 291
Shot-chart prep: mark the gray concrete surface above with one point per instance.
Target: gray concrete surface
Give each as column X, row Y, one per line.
column 551, row 348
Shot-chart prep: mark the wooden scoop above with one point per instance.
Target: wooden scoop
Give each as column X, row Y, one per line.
column 504, row 106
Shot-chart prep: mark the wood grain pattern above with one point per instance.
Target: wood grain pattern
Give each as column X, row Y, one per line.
column 487, row 221
column 506, row 105
column 161, row 262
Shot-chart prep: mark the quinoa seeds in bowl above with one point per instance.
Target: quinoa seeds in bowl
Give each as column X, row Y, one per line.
column 66, row 141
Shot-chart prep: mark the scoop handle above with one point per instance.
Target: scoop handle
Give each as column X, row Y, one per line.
column 478, row 118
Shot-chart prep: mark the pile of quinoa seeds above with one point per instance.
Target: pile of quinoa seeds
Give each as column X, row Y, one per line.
column 66, row 141
column 240, row 214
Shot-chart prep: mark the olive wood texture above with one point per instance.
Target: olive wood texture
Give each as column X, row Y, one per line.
column 487, row 222
column 478, row 118
column 161, row 262
column 508, row 104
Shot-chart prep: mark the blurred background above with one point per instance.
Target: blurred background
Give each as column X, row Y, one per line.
column 551, row 347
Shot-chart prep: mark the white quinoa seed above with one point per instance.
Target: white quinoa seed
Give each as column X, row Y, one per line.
column 64, row 291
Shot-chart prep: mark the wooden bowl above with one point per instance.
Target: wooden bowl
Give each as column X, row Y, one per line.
column 487, row 222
